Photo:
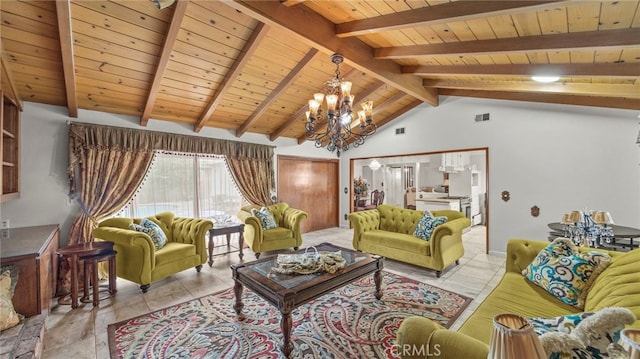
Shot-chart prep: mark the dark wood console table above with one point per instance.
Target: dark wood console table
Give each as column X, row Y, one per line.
column 33, row 250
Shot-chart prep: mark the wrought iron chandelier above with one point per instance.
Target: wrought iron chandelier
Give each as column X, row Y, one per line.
column 339, row 133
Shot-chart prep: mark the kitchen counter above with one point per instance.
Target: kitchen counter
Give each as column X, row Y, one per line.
column 437, row 204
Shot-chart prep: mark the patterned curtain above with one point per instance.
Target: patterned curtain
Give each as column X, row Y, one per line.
column 254, row 178
column 107, row 165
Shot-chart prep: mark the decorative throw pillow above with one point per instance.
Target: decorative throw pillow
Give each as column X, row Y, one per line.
column 582, row 335
column 9, row 318
column 266, row 218
column 152, row 230
column 565, row 272
column 427, row 224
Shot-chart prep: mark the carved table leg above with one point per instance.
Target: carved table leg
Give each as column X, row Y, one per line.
column 210, row 248
column 377, row 278
column 237, row 290
column 285, row 325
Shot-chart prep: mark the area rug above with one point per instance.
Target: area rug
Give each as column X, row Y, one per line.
column 346, row 323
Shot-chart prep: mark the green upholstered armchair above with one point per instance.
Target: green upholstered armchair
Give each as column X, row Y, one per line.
column 139, row 261
column 286, row 235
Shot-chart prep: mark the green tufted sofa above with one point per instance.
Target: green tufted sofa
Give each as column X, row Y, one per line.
column 616, row 286
column 288, row 233
column 137, row 259
column 388, row 231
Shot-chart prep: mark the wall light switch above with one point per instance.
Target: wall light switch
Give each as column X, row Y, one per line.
column 5, row 224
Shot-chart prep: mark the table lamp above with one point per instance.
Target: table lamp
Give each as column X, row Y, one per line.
column 513, row 337
column 630, row 341
column 602, row 218
column 576, row 216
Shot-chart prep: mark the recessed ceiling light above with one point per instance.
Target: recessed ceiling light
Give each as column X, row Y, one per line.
column 545, row 78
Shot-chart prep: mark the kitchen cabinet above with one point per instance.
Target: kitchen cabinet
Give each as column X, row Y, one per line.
column 454, row 161
column 33, row 250
column 9, row 150
column 437, row 204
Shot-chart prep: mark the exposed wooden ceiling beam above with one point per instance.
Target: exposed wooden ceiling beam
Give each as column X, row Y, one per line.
column 593, row 40
column 247, row 51
column 591, row 70
column 322, row 125
column 389, row 102
column 565, row 99
column 319, row 32
column 63, row 11
column 277, row 91
column 585, row 89
column 439, row 14
column 12, row 92
column 176, row 20
column 291, row 2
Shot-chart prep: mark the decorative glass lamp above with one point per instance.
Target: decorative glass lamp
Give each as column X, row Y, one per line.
column 513, row 337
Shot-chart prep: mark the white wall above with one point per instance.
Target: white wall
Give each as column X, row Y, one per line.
column 44, row 158
column 556, row 157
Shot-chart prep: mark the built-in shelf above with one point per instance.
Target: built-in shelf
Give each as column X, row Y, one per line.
column 10, row 150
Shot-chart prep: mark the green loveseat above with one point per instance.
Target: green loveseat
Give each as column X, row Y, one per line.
column 287, row 235
column 616, row 286
column 388, row 231
column 139, row 261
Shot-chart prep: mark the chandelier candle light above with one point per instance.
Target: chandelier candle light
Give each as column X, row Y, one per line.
column 339, row 115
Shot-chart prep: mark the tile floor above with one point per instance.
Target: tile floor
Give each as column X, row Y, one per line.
column 82, row 332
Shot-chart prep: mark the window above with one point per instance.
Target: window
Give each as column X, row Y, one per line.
column 197, row 186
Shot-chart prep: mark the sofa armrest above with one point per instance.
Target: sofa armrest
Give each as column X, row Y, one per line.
column 253, row 228
column 192, row 231
column 363, row 221
column 521, row 252
column 446, row 241
column 420, row 337
column 129, row 241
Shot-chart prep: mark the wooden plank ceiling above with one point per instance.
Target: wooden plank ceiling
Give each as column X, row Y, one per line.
column 251, row 66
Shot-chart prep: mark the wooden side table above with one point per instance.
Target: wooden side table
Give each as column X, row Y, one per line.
column 91, row 270
column 78, row 252
column 228, row 230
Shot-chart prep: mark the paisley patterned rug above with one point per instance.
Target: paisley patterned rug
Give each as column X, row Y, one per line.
column 346, row 323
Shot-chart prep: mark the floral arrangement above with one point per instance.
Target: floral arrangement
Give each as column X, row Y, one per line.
column 360, row 186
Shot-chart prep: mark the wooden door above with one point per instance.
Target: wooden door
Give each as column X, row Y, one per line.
column 311, row 184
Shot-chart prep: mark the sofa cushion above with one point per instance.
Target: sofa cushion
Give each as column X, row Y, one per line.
column 565, row 272
column 173, row 251
column 427, row 224
column 266, row 218
column 618, row 285
column 513, row 294
column 404, row 242
column 582, row 335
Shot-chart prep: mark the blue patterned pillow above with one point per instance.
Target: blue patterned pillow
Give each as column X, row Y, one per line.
column 601, row 328
column 265, row 217
column 427, row 224
column 565, row 272
column 152, row 230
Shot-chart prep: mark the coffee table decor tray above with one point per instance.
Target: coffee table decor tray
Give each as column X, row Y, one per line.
column 311, row 261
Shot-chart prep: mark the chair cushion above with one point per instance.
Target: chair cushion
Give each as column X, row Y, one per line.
column 277, row 234
column 266, row 218
column 173, row 251
column 8, row 316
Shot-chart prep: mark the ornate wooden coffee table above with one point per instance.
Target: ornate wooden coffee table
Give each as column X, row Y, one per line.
column 287, row 292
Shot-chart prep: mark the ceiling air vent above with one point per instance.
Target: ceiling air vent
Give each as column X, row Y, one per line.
column 482, row 117
column 400, row 131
